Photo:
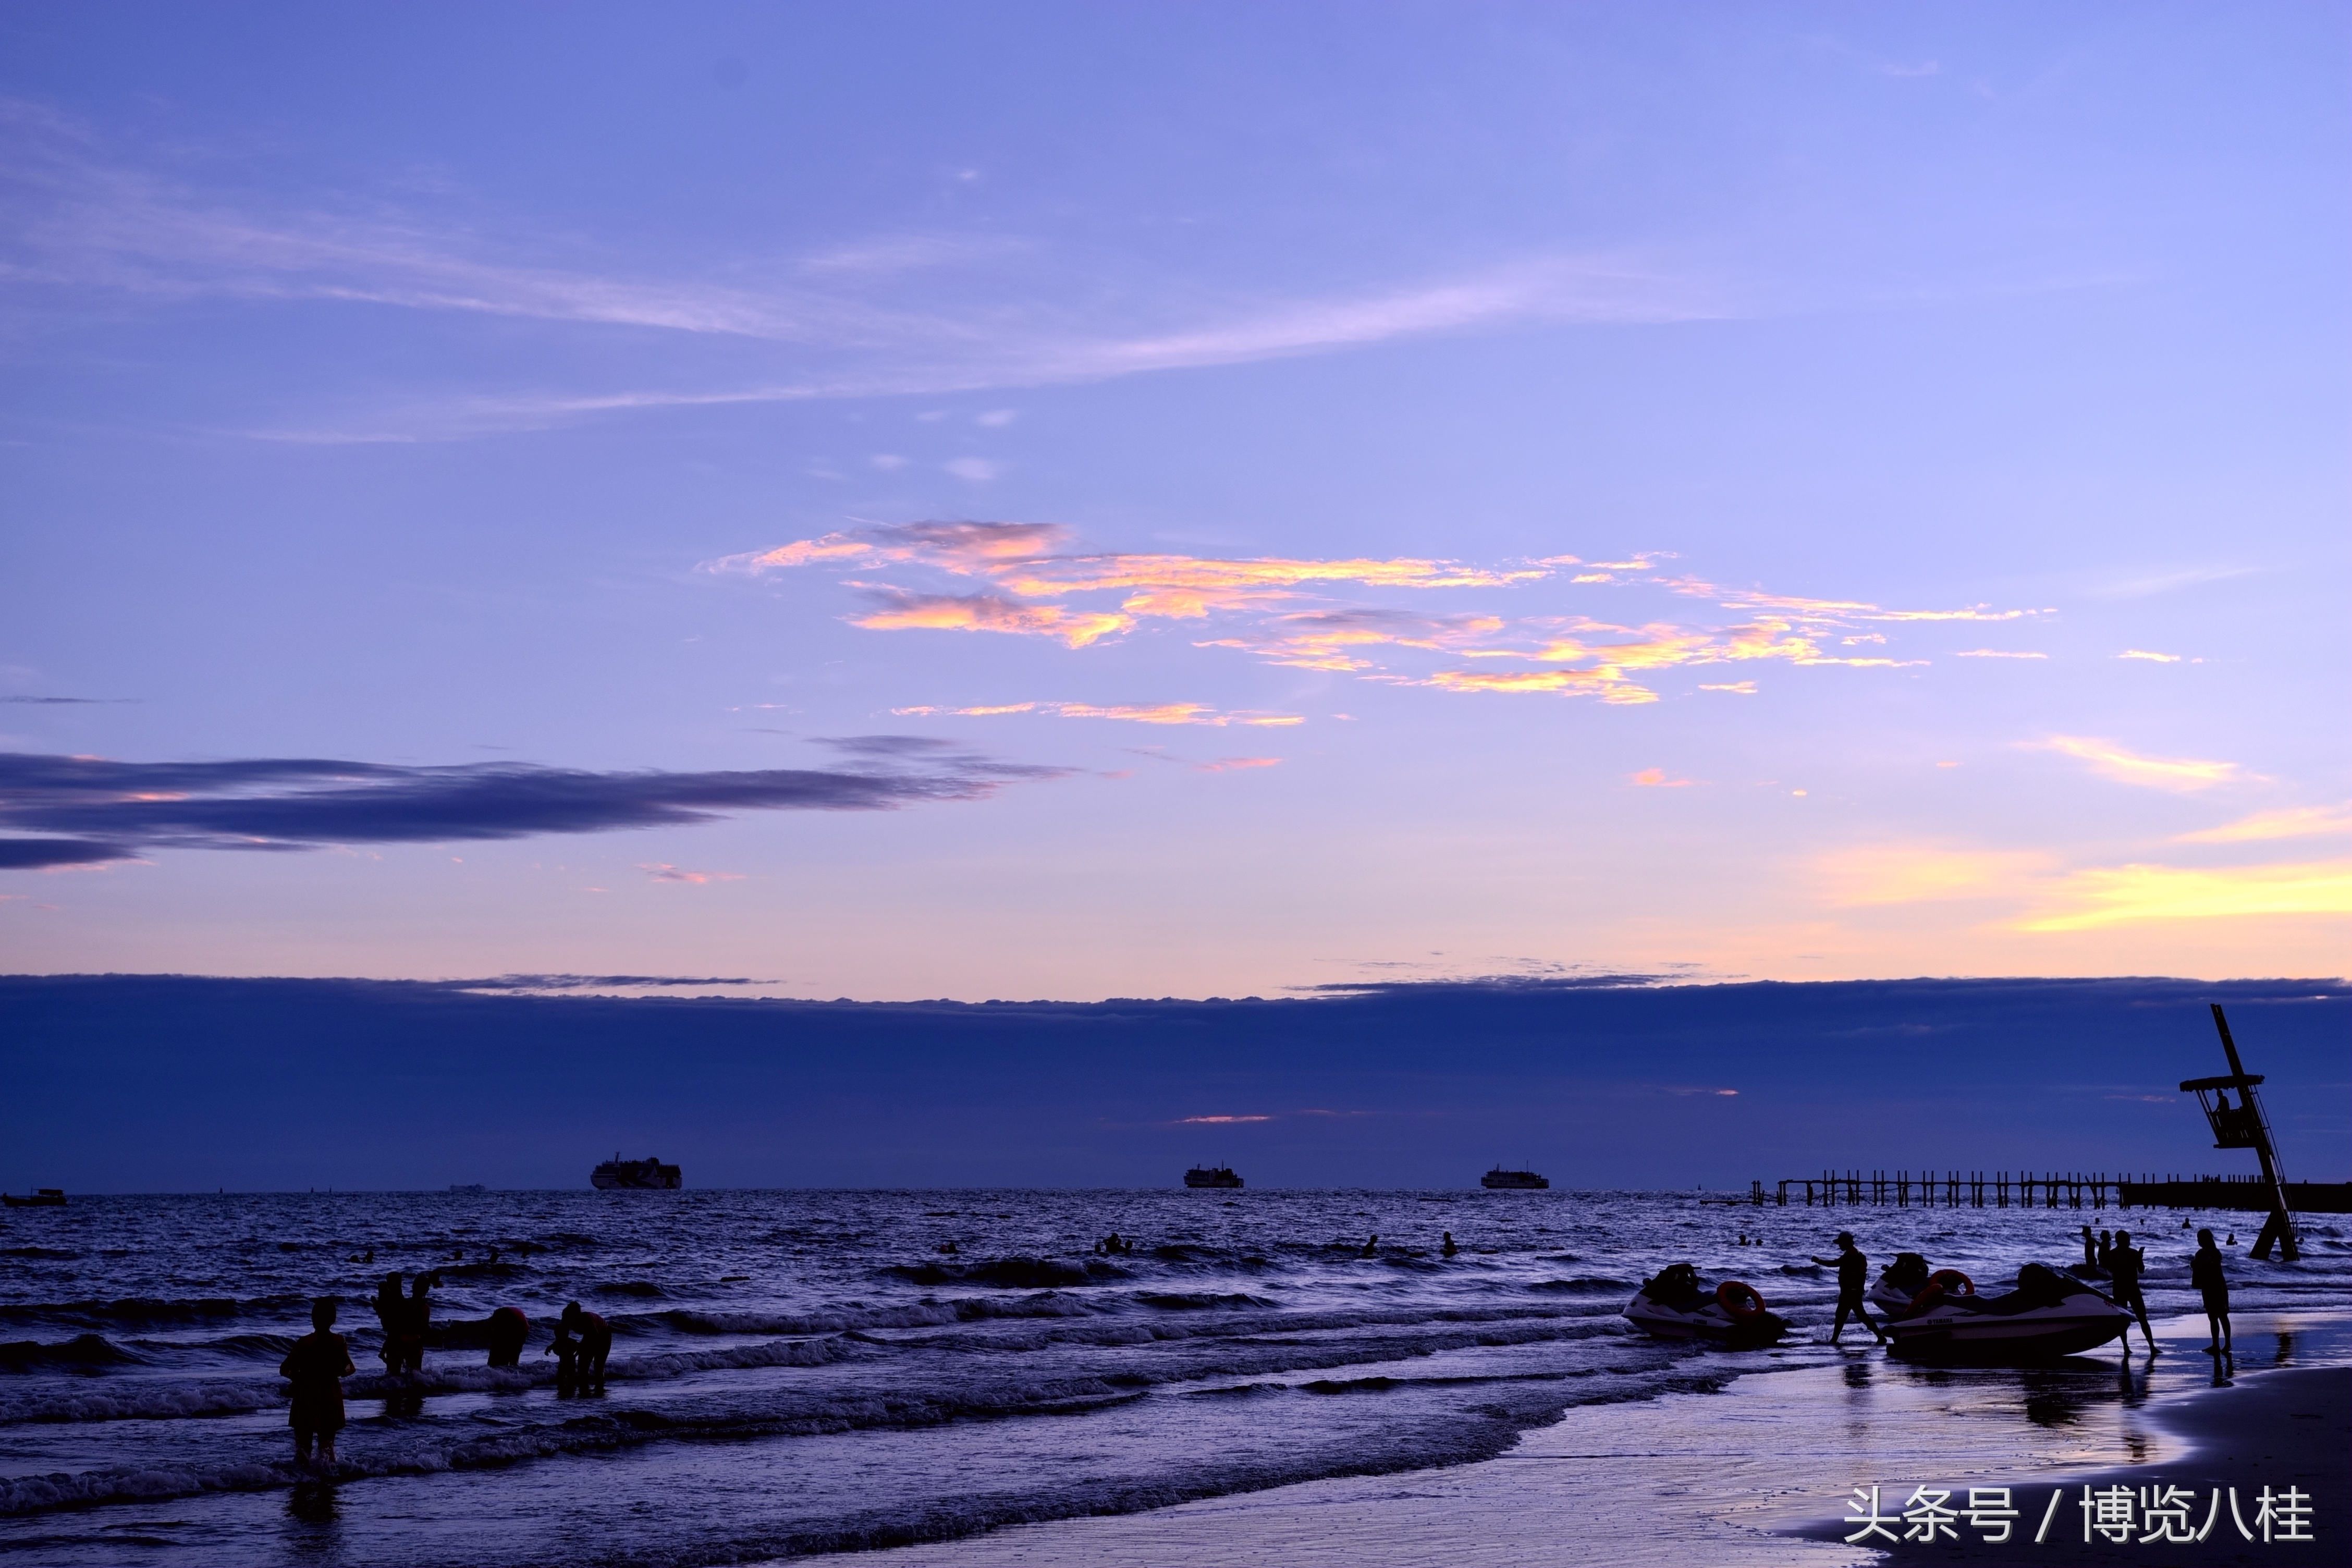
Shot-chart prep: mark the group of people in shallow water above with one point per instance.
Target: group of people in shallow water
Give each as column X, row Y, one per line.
column 2112, row 1256
column 321, row 1360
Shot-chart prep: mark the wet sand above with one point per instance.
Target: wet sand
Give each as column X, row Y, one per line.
column 2276, row 1428
column 1758, row 1474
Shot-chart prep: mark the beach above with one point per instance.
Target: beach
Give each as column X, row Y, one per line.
column 974, row 1376
column 1756, row 1475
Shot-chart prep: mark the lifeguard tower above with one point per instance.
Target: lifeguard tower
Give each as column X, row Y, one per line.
column 2240, row 1124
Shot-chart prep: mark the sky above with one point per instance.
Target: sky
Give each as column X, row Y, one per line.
column 1080, row 501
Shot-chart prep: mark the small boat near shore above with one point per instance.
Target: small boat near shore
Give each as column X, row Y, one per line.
column 1211, row 1176
column 1938, row 1316
column 1498, row 1180
column 42, row 1198
column 1675, row 1304
column 646, row 1175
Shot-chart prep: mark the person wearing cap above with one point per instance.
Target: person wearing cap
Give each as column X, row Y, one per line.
column 1853, row 1273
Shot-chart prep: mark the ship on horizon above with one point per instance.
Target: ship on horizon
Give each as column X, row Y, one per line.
column 1499, row 1180
column 646, row 1175
column 1211, row 1176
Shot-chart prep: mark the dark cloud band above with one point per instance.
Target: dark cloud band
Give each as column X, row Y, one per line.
column 101, row 810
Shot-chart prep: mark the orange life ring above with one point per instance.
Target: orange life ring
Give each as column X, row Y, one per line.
column 1740, row 1299
column 1943, row 1282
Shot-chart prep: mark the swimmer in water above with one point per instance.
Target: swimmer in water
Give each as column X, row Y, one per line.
column 595, row 1345
column 1371, row 1248
column 1449, row 1249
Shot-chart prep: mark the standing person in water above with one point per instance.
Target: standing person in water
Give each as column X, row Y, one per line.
column 2205, row 1273
column 1853, row 1273
column 595, row 1345
column 317, row 1366
column 416, row 1319
column 2125, row 1264
column 392, row 1312
column 2105, row 1249
column 2090, row 1249
column 507, row 1330
column 1449, row 1249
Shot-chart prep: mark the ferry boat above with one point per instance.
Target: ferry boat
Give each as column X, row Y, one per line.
column 1499, row 1180
column 646, row 1175
column 55, row 1198
column 1211, row 1176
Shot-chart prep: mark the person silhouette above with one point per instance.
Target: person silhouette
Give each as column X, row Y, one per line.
column 1854, row 1272
column 1371, row 1248
column 391, row 1313
column 507, row 1330
column 2106, row 1246
column 2090, row 1249
column 595, row 1345
column 317, row 1366
column 2205, row 1273
column 1449, row 1249
column 2125, row 1264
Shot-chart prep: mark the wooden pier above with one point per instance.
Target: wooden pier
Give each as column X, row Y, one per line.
column 2050, row 1190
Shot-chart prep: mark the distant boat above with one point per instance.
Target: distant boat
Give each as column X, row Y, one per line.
column 1499, row 1180
column 469, row 1187
column 55, row 1198
column 647, row 1175
column 1211, row 1176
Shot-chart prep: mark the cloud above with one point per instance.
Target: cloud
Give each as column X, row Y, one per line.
column 1922, row 873
column 68, row 701
column 2293, row 822
column 109, row 809
column 1236, row 764
column 663, row 872
column 2112, row 896
column 1310, row 613
column 2141, row 653
column 973, row 470
column 1743, row 688
column 988, row 613
column 1996, row 653
column 1217, row 1120
column 2111, row 761
column 922, row 313
column 1133, row 713
column 1656, row 778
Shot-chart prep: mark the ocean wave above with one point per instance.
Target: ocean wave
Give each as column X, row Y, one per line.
column 83, row 1351
column 1199, row 1301
column 1586, row 1283
column 151, row 1310
column 1011, row 1273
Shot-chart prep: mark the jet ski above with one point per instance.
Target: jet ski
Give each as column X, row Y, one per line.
column 1675, row 1305
column 2048, row 1314
column 1900, row 1282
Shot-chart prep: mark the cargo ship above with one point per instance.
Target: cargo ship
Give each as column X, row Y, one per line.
column 648, row 1175
column 1500, row 1180
column 55, row 1198
column 1211, row 1176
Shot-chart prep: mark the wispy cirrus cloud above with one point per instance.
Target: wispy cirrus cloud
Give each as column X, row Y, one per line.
column 1313, row 614
column 66, row 811
column 1131, row 713
column 877, row 315
column 2111, row 761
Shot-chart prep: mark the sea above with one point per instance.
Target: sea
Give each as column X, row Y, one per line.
column 798, row 1373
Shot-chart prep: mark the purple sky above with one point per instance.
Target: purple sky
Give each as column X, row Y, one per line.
column 934, row 501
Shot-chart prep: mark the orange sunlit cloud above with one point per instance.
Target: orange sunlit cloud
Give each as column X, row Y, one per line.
column 2111, row 761
column 2111, row 895
column 1656, row 778
column 1743, row 688
column 1282, row 609
column 1232, row 764
column 1216, row 1120
column 2294, row 822
column 1921, row 873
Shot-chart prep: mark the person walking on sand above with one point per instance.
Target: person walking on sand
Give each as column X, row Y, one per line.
column 595, row 1345
column 2125, row 1264
column 2205, row 1273
column 317, row 1366
column 1853, row 1273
